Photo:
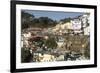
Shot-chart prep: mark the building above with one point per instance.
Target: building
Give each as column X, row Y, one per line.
column 76, row 25
column 77, row 43
column 43, row 57
column 87, row 30
column 24, row 39
column 85, row 20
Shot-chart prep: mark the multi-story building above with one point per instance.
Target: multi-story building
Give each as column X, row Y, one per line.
column 81, row 23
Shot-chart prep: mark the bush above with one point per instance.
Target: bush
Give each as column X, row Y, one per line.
column 26, row 56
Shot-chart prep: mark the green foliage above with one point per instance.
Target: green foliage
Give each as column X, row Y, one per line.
column 29, row 20
column 87, row 52
column 43, row 22
column 51, row 43
column 40, row 42
column 25, row 55
column 26, row 19
column 65, row 20
column 25, row 25
column 27, row 16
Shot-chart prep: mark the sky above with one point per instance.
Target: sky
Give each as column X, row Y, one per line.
column 53, row 14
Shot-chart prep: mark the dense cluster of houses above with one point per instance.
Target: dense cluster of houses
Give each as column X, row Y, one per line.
column 77, row 25
column 73, row 40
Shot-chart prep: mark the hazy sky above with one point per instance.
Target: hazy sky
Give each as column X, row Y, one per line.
column 53, row 14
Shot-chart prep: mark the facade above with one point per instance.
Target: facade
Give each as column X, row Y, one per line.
column 24, row 39
column 76, row 25
column 85, row 19
column 80, row 24
column 87, row 31
column 39, row 57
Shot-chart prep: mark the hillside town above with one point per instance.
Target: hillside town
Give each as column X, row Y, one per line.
column 66, row 41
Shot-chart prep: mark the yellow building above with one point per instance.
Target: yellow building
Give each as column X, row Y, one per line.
column 45, row 57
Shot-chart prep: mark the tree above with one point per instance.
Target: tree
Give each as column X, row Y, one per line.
column 87, row 51
column 29, row 20
column 26, row 19
column 51, row 43
column 43, row 22
column 26, row 56
column 65, row 20
column 46, row 22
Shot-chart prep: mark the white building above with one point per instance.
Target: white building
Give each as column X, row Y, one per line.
column 24, row 39
column 76, row 25
column 85, row 19
column 87, row 31
column 81, row 22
